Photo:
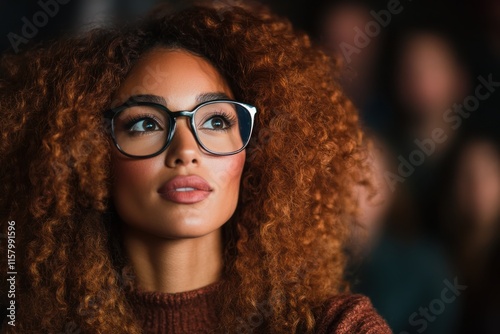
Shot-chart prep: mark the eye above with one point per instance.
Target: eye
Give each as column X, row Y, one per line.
column 144, row 125
column 216, row 123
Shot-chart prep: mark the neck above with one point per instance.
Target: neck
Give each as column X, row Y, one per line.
column 174, row 265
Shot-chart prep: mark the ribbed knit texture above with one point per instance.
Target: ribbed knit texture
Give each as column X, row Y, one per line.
column 183, row 312
column 195, row 312
column 351, row 314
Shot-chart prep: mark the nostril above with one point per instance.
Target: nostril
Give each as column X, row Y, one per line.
column 180, row 161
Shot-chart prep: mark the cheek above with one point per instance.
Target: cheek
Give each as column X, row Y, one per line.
column 228, row 170
column 132, row 176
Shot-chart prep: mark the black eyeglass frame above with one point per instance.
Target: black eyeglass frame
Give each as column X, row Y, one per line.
column 112, row 113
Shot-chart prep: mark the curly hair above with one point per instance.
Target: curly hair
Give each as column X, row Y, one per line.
column 289, row 227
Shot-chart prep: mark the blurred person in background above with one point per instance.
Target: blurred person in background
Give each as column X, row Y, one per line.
column 431, row 77
column 342, row 32
column 374, row 199
column 470, row 223
column 391, row 261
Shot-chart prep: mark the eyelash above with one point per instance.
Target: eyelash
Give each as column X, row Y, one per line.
column 230, row 119
column 130, row 121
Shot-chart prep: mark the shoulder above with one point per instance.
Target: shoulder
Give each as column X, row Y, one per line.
column 350, row 313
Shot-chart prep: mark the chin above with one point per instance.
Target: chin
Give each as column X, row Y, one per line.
column 177, row 225
column 186, row 229
column 185, row 233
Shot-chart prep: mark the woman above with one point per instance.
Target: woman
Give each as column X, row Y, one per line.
column 125, row 222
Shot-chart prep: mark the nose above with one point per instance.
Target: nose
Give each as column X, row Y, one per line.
column 183, row 149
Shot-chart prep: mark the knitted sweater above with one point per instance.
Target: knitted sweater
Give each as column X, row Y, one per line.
column 195, row 312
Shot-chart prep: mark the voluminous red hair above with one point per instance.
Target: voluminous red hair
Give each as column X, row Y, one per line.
column 283, row 246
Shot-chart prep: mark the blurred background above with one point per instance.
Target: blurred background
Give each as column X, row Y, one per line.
column 424, row 76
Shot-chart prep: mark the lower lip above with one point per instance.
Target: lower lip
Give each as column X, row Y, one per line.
column 185, row 197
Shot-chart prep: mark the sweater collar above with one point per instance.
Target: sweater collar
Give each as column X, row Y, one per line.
column 156, row 299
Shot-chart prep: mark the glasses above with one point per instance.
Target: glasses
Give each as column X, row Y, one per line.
column 143, row 129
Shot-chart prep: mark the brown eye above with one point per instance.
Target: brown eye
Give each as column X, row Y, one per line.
column 145, row 125
column 216, row 123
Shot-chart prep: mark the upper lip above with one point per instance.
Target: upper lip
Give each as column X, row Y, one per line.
column 185, row 181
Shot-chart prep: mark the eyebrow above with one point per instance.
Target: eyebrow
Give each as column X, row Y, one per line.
column 161, row 100
column 212, row 96
column 147, row 98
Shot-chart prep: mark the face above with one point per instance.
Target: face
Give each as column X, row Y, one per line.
column 430, row 79
column 478, row 183
column 184, row 192
column 339, row 31
column 373, row 203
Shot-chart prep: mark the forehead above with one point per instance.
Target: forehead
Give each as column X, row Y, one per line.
column 176, row 75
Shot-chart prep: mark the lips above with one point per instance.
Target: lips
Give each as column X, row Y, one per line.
column 185, row 189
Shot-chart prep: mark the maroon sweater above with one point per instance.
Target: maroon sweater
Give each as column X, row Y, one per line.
column 195, row 312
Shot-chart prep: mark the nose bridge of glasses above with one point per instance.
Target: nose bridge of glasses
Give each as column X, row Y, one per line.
column 182, row 113
column 188, row 114
column 188, row 117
